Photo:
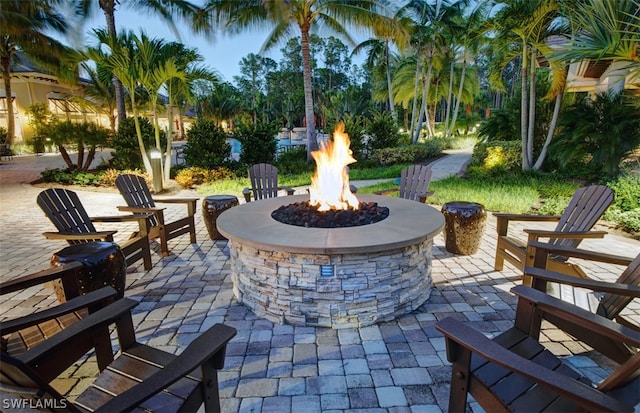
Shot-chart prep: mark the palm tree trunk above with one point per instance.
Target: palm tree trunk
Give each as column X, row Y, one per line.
column 108, row 7
column 449, row 98
column 552, row 129
column 414, row 108
column 523, row 109
column 425, row 95
column 460, row 89
column 312, row 143
column 5, row 62
column 389, row 88
column 532, row 108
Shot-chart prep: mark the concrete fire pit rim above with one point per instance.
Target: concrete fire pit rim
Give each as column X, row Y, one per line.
column 409, row 222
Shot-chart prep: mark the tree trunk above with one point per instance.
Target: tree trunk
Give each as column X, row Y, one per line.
column 312, row 142
column 80, row 155
column 414, row 108
column 449, row 98
column 532, row 108
column 90, row 157
column 425, row 96
column 523, row 109
column 460, row 89
column 5, row 62
column 65, row 157
column 167, row 157
column 389, row 88
column 552, row 129
column 108, row 7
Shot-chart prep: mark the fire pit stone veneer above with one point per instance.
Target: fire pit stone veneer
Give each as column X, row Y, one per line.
column 331, row 277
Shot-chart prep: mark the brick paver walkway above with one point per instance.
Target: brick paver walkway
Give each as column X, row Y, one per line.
column 397, row 366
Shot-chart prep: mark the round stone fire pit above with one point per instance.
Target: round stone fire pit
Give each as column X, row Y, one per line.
column 331, row 277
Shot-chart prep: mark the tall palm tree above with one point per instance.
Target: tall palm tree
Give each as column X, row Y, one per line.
column 23, row 27
column 99, row 91
column 523, row 28
column 387, row 31
column 283, row 17
column 166, row 9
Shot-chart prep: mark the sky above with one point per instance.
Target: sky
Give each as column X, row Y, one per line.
column 222, row 53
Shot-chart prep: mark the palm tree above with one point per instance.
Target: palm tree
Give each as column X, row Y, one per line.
column 523, row 28
column 23, row 27
column 282, row 17
column 394, row 30
column 608, row 30
column 99, row 91
column 166, row 9
column 180, row 87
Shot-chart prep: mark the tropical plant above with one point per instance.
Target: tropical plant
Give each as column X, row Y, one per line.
column 165, row 9
column 126, row 154
column 523, row 28
column 258, row 142
column 282, row 17
column 599, row 132
column 206, row 146
column 24, row 28
column 99, row 91
column 80, row 136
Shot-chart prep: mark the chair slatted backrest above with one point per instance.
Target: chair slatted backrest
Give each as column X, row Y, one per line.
column 64, row 210
column 414, row 182
column 264, row 181
column 135, row 192
column 585, row 209
column 612, row 304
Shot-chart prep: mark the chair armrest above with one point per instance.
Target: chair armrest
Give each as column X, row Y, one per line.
column 458, row 334
column 211, row 345
column 594, row 285
column 139, row 210
column 246, row 192
column 423, row 198
column 580, row 253
column 175, row 200
column 69, row 270
column 80, row 331
column 577, row 316
column 525, row 217
column 93, row 300
column 120, row 218
column 537, row 233
column 102, row 235
column 289, row 190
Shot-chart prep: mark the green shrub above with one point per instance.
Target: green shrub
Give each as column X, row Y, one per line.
column 293, row 161
column 554, row 205
column 258, row 143
column 628, row 220
column 3, row 135
column 353, row 126
column 188, row 177
column 383, row 132
column 206, row 146
column 408, row 154
column 126, row 153
column 66, row 177
column 627, row 192
column 497, row 155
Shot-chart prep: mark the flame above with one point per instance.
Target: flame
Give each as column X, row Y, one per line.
column 330, row 185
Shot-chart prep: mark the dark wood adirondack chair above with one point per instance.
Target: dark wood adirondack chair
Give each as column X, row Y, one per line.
column 65, row 211
column 514, row 372
column 585, row 208
column 264, row 183
column 21, row 334
column 607, row 299
column 414, row 183
column 139, row 378
column 136, row 194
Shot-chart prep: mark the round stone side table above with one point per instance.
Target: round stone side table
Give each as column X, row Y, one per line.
column 212, row 207
column 463, row 227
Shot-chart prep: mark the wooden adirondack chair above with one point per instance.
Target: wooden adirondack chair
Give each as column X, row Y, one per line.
column 264, row 183
column 585, row 208
column 141, row 377
column 65, row 211
column 414, row 183
column 21, row 334
column 135, row 192
column 514, row 372
column 603, row 298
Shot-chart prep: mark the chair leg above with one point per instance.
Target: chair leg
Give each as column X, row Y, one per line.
column 164, row 247
column 192, row 230
column 498, row 265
